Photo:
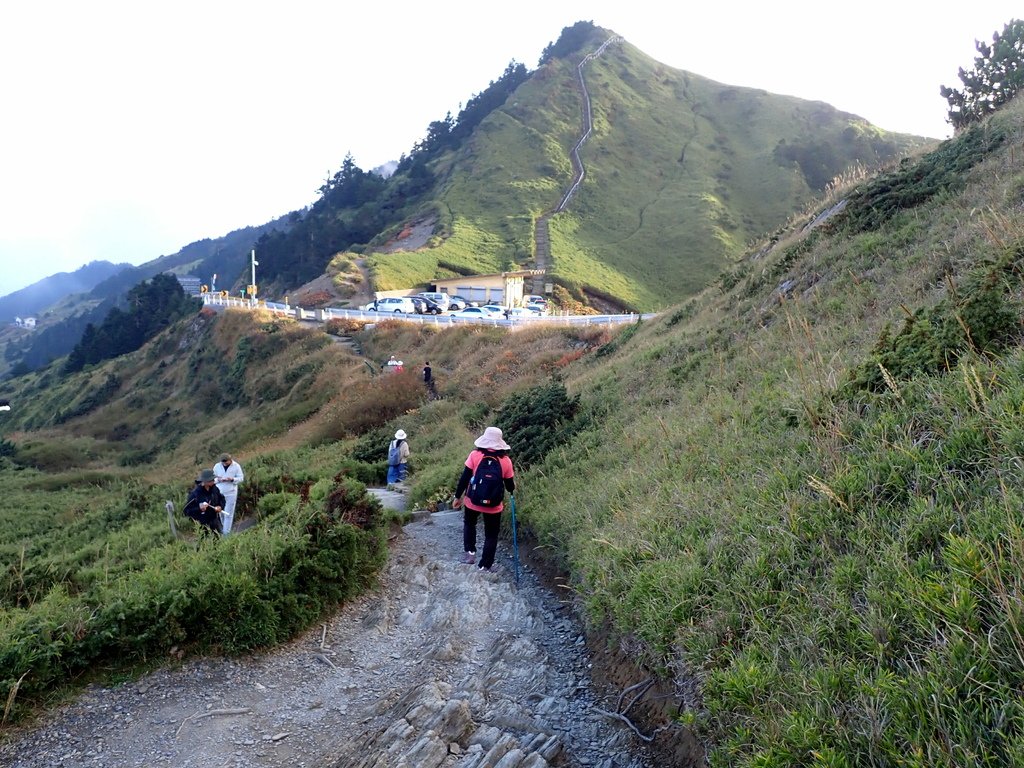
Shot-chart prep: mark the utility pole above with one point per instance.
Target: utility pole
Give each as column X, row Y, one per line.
column 252, row 285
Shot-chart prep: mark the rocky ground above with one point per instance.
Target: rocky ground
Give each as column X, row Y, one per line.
column 443, row 665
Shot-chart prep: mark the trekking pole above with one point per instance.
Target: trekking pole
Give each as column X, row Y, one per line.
column 515, row 543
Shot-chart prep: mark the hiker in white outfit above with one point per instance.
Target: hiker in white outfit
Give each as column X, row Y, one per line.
column 229, row 474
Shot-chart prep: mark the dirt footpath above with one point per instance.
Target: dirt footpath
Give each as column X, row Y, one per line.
column 443, row 665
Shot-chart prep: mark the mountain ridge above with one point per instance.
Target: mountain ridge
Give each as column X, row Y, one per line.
column 681, row 173
column 42, row 294
column 674, row 189
column 64, row 320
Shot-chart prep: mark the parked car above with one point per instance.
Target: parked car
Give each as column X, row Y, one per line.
column 392, row 304
column 540, row 309
column 534, row 299
column 458, row 302
column 523, row 312
column 425, row 306
column 475, row 312
column 438, row 297
column 494, row 309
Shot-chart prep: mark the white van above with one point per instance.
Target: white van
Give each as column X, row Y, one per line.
column 393, row 304
column 443, row 300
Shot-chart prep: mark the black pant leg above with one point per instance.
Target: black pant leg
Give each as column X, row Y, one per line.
column 469, row 518
column 492, row 526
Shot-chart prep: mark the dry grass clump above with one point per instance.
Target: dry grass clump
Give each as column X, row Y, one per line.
column 344, row 326
column 315, row 299
column 370, row 403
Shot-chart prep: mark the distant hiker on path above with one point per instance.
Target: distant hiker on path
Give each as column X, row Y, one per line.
column 398, row 458
column 487, row 475
column 428, row 379
column 229, row 475
column 205, row 502
column 393, row 365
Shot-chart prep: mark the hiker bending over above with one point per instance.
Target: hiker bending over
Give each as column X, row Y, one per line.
column 229, row 474
column 398, row 458
column 205, row 503
column 481, row 491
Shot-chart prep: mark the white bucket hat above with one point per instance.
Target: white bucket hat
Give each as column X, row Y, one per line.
column 400, row 434
column 492, row 440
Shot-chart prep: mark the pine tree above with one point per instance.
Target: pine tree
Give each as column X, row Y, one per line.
column 997, row 76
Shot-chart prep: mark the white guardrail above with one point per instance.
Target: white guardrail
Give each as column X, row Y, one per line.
column 447, row 320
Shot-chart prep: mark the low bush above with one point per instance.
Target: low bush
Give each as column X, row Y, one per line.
column 619, row 339
column 915, row 182
column 538, row 419
column 343, row 326
column 371, row 403
column 55, row 456
column 982, row 315
column 232, row 595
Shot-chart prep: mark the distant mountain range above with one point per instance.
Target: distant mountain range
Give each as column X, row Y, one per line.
column 35, row 298
column 65, row 304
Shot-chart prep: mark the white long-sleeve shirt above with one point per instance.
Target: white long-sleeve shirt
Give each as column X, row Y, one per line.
column 228, row 477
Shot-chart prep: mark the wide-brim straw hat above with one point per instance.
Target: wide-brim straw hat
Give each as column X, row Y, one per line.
column 492, row 440
column 400, row 435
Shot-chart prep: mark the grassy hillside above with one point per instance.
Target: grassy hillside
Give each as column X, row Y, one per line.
column 803, row 496
column 681, row 173
column 795, row 497
column 94, row 582
column 721, row 165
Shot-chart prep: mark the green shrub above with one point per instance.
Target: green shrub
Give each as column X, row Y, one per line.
column 619, row 339
column 475, row 416
column 434, row 485
column 372, row 447
column 272, row 504
column 981, row 316
column 538, row 419
column 374, row 473
column 53, row 456
column 915, row 182
column 244, row 592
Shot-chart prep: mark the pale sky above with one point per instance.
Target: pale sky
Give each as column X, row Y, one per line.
column 130, row 129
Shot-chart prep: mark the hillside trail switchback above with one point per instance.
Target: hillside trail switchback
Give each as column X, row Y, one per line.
column 441, row 666
column 542, row 237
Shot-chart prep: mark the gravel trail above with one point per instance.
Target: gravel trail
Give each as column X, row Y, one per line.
column 442, row 665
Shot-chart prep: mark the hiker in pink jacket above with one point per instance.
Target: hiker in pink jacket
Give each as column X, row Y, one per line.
column 481, row 491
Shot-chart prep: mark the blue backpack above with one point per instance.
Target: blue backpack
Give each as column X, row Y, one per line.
column 394, row 454
column 487, row 487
